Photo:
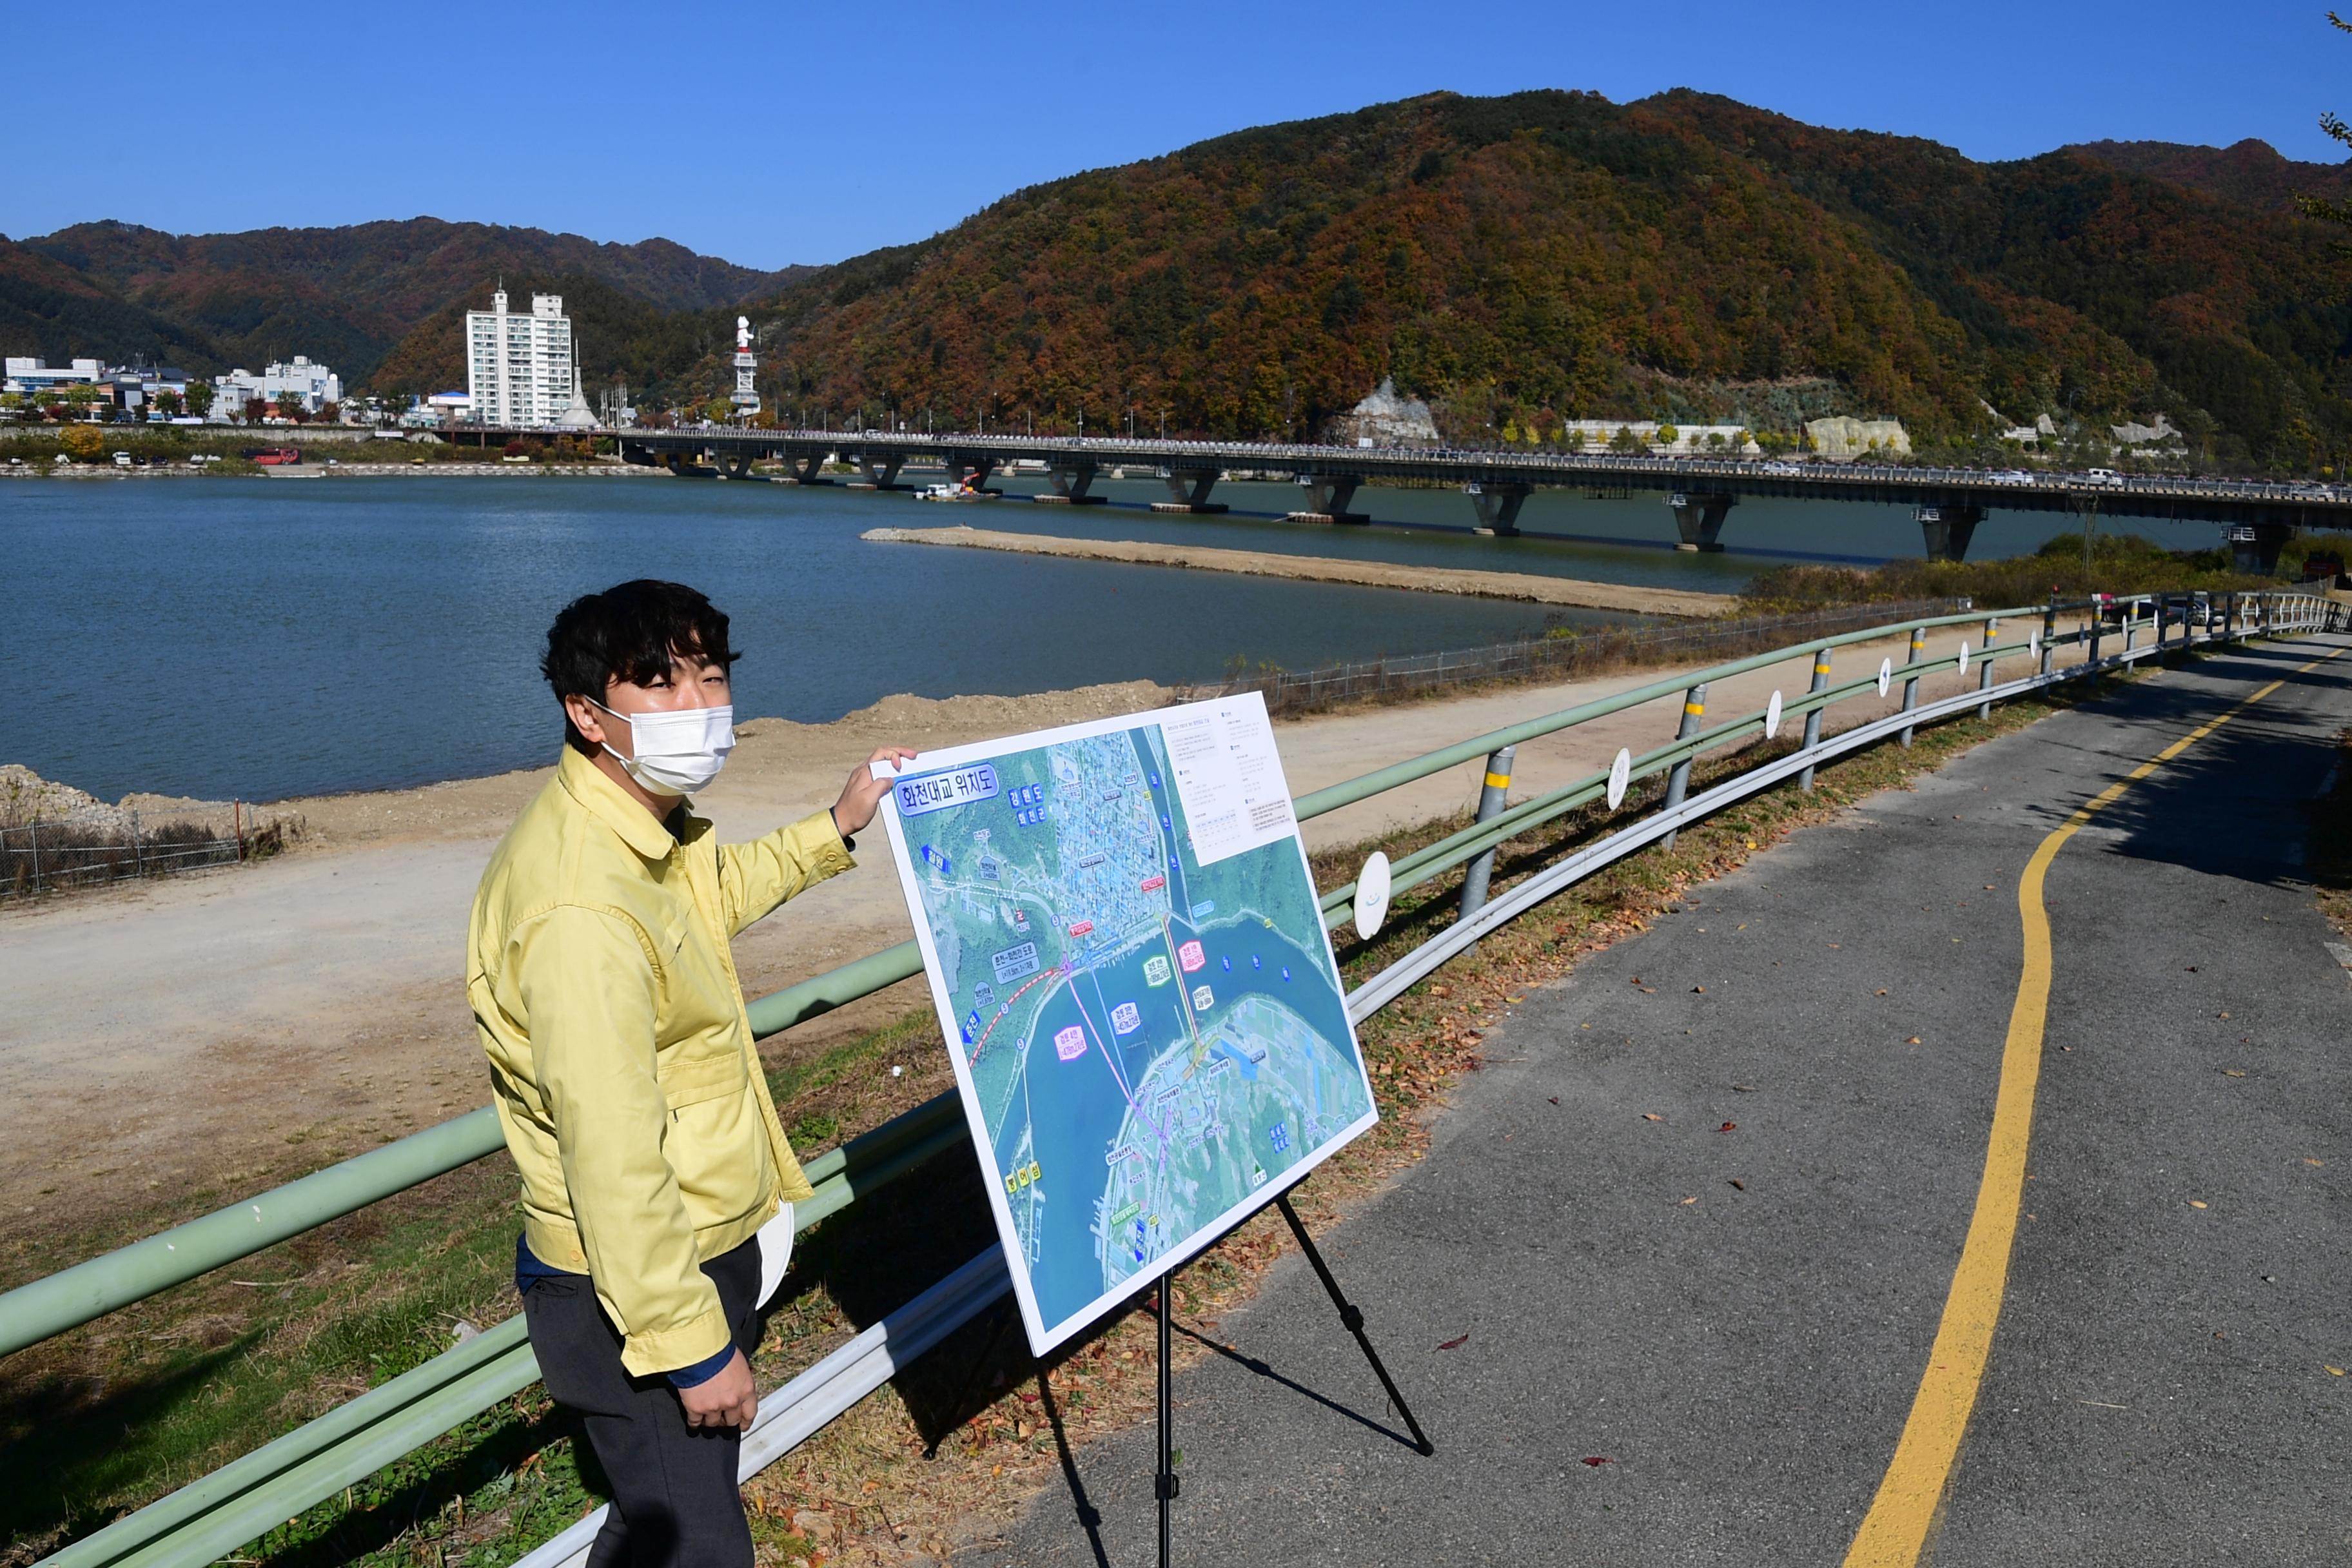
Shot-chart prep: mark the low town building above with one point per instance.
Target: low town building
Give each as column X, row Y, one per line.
column 1658, row 436
column 30, row 375
column 313, row 386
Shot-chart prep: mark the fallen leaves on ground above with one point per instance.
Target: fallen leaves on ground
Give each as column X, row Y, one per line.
column 1597, row 1460
column 1652, row 1116
column 1455, row 1344
column 2196, row 1203
column 1729, row 1127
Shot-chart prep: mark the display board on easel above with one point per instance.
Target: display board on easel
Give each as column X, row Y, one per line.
column 1127, row 957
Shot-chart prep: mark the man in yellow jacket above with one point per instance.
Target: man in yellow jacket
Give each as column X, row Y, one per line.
column 623, row 1068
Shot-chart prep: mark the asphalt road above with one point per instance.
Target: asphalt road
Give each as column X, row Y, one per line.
column 2157, row 1389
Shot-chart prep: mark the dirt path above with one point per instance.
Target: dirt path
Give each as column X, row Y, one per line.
column 235, row 1027
column 1529, row 587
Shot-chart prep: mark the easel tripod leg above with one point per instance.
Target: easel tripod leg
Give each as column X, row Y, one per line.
column 1165, row 1484
column 1351, row 1316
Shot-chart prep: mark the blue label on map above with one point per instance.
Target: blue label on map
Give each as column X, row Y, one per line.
column 1015, row 961
column 937, row 792
column 1205, row 909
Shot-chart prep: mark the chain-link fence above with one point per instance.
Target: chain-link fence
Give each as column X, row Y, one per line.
column 1592, row 651
column 38, row 858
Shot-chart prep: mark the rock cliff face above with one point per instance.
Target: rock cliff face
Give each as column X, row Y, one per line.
column 1386, row 418
column 1844, row 438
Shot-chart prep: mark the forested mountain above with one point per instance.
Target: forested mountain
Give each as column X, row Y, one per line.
column 1552, row 254
column 1516, row 261
column 343, row 296
column 2250, row 172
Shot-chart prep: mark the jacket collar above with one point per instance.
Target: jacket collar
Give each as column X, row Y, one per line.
column 604, row 800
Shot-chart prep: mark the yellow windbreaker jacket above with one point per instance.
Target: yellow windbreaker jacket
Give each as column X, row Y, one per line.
column 621, row 1058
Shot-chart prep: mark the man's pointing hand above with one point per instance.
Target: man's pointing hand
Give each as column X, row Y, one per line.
column 863, row 793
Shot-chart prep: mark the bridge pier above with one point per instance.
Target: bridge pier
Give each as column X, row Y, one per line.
column 1328, row 496
column 1187, row 490
column 1498, row 503
column 1072, row 479
column 2255, row 546
column 733, row 467
column 1699, row 515
column 1947, row 529
column 808, row 471
column 974, row 470
column 882, row 472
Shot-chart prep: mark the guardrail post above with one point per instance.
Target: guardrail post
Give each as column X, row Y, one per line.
column 1984, row 667
column 1813, row 718
column 1911, row 684
column 36, row 854
column 2131, row 625
column 2229, row 615
column 1678, row 780
column 1490, row 804
column 2099, row 625
column 2049, row 636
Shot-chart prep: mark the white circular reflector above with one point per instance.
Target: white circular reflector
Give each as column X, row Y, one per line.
column 1772, row 717
column 1885, row 675
column 1964, row 656
column 1371, row 895
column 1620, row 773
column 775, row 1239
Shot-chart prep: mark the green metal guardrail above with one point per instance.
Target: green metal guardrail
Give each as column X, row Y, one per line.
column 248, row 1496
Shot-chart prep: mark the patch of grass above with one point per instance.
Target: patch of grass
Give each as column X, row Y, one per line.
column 2120, row 563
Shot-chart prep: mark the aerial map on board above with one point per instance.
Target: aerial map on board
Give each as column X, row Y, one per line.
column 1127, row 958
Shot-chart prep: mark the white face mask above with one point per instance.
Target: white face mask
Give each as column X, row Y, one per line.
column 678, row 752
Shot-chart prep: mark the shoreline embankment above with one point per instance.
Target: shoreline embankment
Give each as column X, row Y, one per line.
column 1567, row 593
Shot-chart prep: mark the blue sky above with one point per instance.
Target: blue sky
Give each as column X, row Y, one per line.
column 768, row 134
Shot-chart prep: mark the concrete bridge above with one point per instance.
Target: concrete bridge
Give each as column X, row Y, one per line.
column 1948, row 503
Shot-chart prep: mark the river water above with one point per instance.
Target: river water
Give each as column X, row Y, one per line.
column 264, row 637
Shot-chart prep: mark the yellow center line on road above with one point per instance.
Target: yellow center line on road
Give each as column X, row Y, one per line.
column 1895, row 1531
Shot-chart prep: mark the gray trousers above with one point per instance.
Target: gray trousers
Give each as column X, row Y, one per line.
column 675, row 1503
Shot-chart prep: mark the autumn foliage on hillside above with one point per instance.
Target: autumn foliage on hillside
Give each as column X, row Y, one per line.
column 1551, row 255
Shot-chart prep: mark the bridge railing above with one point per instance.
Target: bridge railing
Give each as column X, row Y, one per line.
column 245, row 1498
column 1572, row 465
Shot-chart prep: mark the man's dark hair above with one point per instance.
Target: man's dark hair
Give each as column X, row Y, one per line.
column 632, row 633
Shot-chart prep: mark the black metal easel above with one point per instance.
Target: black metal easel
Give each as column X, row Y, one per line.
column 1165, row 1485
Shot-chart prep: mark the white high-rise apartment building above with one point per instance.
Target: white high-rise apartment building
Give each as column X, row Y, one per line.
column 518, row 368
